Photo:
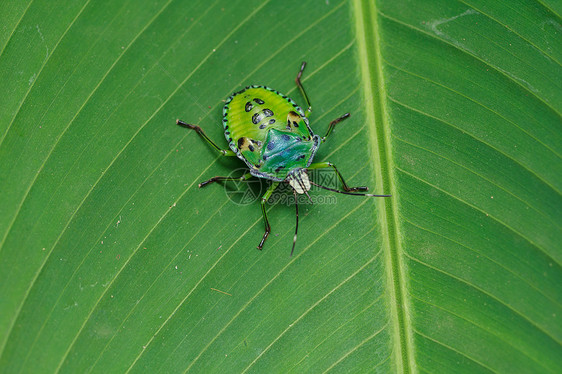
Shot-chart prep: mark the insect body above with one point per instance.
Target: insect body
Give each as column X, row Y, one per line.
column 272, row 135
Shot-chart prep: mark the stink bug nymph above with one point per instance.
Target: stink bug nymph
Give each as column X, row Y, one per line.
column 272, row 135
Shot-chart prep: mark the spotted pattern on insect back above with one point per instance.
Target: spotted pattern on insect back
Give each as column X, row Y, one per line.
column 256, row 118
column 247, row 144
column 250, row 149
column 293, row 120
column 250, row 116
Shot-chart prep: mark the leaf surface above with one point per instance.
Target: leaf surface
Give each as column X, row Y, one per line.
column 113, row 260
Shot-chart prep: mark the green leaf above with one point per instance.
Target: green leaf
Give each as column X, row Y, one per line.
column 112, row 260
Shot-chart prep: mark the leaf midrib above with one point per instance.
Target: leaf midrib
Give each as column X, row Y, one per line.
column 370, row 61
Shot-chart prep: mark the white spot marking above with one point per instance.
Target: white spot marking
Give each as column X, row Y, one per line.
column 71, row 306
column 433, row 25
column 43, row 39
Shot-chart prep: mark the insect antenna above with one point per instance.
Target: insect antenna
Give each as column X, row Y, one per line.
column 348, row 193
column 297, row 225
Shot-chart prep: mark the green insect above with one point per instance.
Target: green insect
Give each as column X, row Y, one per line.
column 271, row 134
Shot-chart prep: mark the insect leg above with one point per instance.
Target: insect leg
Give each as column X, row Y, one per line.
column 322, row 165
column 301, row 88
column 243, row 178
column 333, row 124
column 349, row 193
column 264, row 199
column 224, row 152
